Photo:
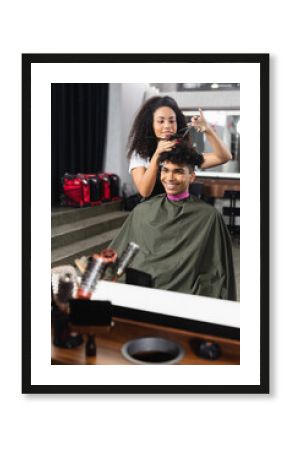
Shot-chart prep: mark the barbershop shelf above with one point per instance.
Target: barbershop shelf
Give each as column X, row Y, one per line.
column 63, row 215
column 68, row 233
column 68, row 253
column 82, row 231
column 215, row 188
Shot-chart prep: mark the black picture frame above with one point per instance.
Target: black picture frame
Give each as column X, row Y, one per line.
column 259, row 59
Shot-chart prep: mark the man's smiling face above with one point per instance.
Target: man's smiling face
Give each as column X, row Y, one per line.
column 176, row 178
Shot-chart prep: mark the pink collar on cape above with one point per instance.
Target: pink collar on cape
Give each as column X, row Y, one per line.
column 176, row 198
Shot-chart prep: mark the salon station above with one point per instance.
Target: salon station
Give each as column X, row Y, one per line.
column 103, row 311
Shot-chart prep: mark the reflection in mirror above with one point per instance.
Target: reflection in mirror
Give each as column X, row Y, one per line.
column 227, row 125
column 83, row 232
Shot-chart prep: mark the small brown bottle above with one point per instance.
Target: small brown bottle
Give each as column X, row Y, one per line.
column 91, row 348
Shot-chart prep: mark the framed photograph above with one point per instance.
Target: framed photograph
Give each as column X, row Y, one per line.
column 138, row 334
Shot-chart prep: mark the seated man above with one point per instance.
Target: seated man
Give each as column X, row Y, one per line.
column 184, row 243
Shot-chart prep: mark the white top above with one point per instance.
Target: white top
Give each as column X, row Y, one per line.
column 137, row 161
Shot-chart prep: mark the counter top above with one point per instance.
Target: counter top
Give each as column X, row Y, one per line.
column 218, row 175
column 110, row 340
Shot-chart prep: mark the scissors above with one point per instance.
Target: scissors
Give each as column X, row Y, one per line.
column 181, row 133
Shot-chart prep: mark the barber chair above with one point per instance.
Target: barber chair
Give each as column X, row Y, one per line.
column 197, row 189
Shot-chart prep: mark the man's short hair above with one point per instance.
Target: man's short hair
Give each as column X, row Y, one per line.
column 183, row 155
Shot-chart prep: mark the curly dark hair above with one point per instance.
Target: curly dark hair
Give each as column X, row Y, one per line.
column 142, row 138
column 182, row 154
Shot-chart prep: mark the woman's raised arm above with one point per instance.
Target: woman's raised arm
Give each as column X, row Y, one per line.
column 221, row 153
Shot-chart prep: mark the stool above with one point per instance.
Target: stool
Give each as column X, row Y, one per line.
column 232, row 211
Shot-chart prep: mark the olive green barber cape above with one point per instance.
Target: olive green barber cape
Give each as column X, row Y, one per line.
column 184, row 245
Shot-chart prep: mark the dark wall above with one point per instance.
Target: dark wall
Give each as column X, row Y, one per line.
column 78, row 130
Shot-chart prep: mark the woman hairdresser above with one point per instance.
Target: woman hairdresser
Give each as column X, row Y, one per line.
column 153, row 132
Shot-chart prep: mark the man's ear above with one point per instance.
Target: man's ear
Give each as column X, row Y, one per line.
column 192, row 177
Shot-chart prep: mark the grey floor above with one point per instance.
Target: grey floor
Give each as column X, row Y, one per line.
column 236, row 257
